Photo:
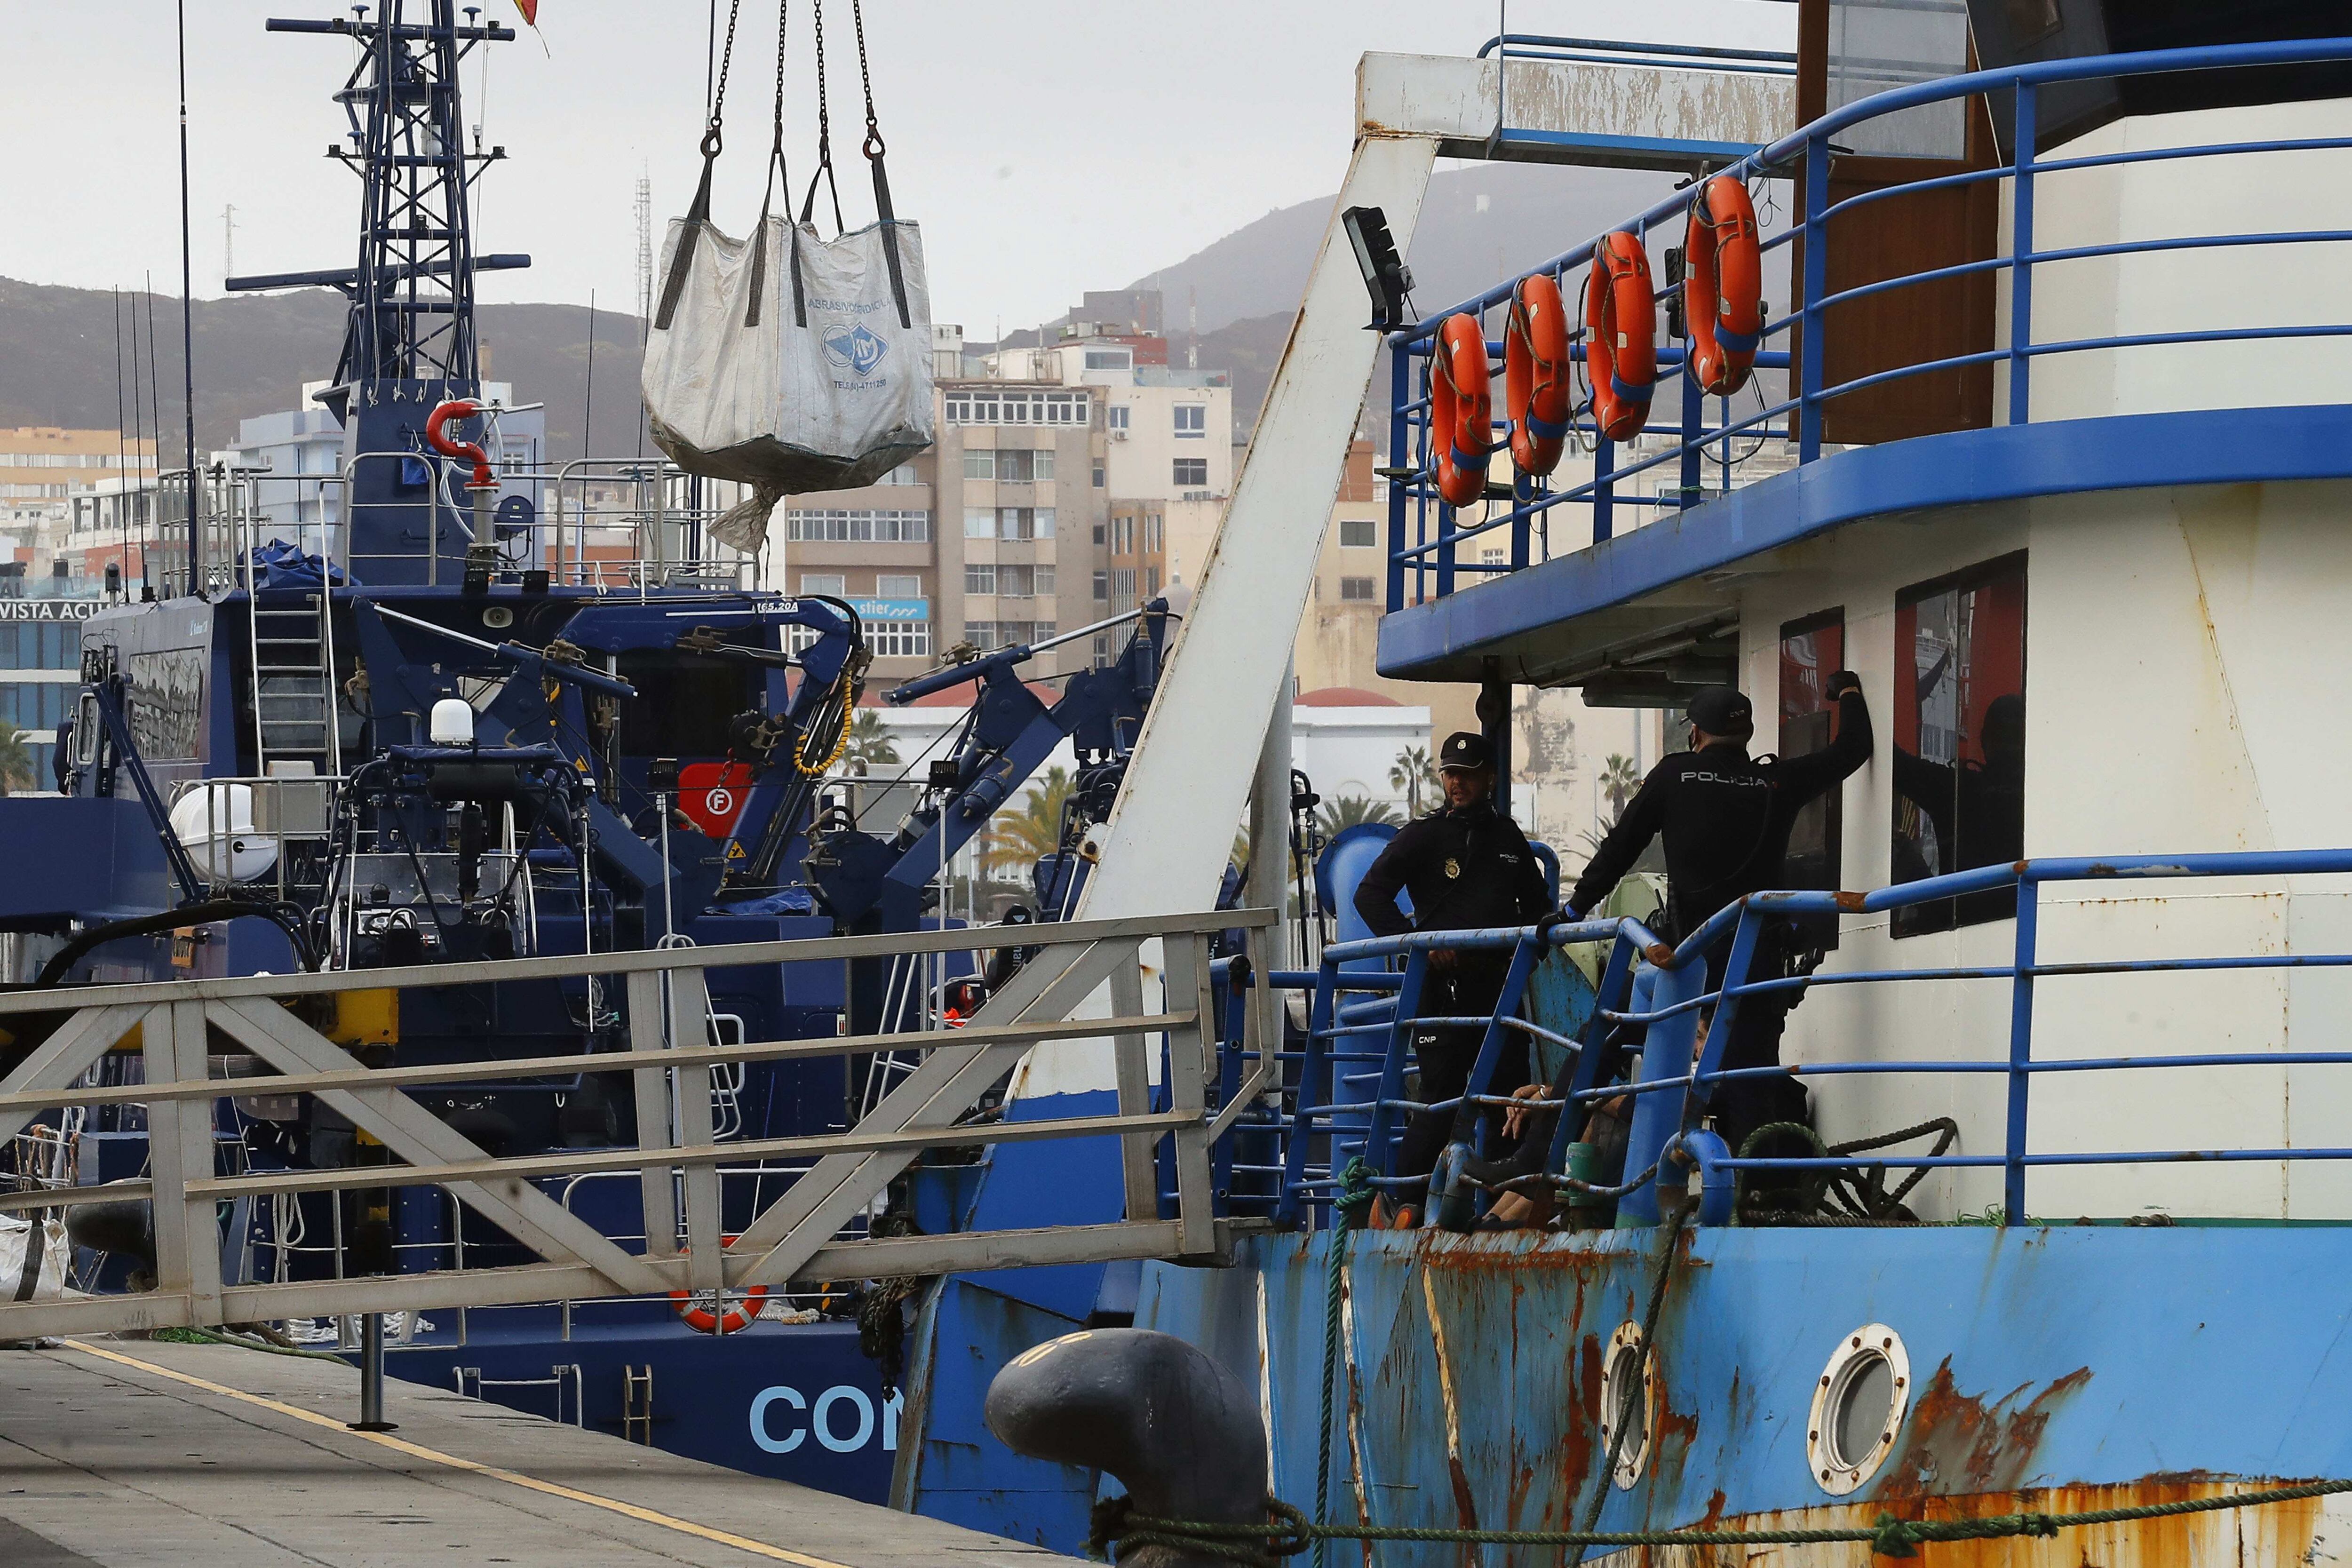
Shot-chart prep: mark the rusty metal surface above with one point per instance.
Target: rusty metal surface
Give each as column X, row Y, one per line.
column 2058, row 1369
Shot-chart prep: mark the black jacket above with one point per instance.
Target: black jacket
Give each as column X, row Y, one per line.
column 1726, row 818
column 1463, row 868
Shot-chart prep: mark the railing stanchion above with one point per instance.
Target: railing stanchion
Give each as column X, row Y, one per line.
column 1693, row 426
column 1447, row 526
column 2021, row 266
column 1817, row 276
column 1399, row 460
column 2020, row 1051
column 1523, row 492
column 1604, row 489
column 1317, row 1086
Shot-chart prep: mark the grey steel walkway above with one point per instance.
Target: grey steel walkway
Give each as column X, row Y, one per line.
column 131, row 1453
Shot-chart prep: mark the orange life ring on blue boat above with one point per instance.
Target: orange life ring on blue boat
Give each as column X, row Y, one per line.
column 1461, row 409
column 1722, row 286
column 1620, row 335
column 1538, row 389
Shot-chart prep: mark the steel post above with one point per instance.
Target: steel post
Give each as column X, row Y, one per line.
column 1400, row 463
column 2021, row 1052
column 371, row 1377
column 1817, row 276
column 2020, row 273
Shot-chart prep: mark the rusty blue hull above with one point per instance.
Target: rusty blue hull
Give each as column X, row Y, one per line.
column 2086, row 1364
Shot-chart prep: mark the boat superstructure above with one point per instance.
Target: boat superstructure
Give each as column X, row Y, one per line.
column 2058, row 482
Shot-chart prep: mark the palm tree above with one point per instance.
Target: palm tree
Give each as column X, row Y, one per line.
column 870, row 745
column 15, row 762
column 1620, row 779
column 1411, row 774
column 1020, row 836
column 1349, row 810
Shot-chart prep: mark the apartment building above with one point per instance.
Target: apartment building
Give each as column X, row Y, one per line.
column 1019, row 475
column 879, row 549
column 44, row 471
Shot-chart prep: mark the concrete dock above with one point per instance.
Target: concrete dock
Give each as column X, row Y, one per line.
column 126, row 1454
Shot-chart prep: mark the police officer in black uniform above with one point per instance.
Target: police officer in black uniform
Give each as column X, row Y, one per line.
column 1726, row 818
column 1466, row 865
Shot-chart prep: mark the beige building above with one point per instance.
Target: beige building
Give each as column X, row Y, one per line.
column 993, row 537
column 43, row 471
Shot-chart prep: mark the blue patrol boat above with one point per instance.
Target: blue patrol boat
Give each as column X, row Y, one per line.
column 452, row 708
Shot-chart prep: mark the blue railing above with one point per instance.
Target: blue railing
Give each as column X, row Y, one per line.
column 1344, row 1085
column 1427, row 537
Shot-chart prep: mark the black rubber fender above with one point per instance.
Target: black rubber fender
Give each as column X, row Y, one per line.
column 1183, row 1434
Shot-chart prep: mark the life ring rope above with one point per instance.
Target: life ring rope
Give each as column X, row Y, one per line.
column 1723, row 283
column 1537, row 384
column 1461, row 410
column 1620, row 335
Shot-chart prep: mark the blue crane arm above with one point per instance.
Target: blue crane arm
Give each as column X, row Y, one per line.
column 1010, row 734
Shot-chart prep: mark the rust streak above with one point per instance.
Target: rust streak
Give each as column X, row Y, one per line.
column 1964, row 1442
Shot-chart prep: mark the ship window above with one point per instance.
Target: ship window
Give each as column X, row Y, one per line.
column 1811, row 650
column 1858, row 1407
column 683, row 705
column 1629, row 1394
column 1959, row 737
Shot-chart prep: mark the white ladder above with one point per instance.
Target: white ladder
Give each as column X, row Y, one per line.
column 294, row 709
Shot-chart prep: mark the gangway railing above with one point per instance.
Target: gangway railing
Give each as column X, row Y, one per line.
column 1659, row 1028
column 1433, row 548
column 196, row 1039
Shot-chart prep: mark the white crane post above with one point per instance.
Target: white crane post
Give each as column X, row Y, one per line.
column 1187, row 781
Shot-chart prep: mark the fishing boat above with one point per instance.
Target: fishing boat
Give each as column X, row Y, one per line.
column 2044, row 1262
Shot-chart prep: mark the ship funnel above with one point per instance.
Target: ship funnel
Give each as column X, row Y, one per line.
column 1183, row 1434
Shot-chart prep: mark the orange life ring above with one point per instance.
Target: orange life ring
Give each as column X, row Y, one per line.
column 1537, row 387
column 1722, row 286
column 1620, row 335
column 734, row 1320
column 1461, row 410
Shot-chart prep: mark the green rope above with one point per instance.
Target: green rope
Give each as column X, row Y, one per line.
column 1288, row 1532
column 1347, row 1206
column 1634, row 1385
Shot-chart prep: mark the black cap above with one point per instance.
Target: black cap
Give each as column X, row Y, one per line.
column 1465, row 749
column 1721, row 710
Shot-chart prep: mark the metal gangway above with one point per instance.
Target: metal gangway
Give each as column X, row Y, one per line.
column 201, row 1041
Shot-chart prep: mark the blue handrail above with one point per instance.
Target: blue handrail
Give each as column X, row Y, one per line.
column 1421, row 547
column 1657, row 992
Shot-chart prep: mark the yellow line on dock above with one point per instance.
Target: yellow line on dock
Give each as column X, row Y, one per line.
column 418, row 1451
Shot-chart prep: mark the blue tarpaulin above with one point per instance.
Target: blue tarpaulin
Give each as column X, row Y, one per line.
column 278, row 564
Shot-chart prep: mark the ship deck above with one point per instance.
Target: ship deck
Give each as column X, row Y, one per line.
column 136, row 1453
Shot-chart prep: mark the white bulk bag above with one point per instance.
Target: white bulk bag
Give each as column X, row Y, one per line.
column 789, row 366
column 32, row 1258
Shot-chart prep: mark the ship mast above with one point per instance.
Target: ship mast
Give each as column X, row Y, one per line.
column 409, row 342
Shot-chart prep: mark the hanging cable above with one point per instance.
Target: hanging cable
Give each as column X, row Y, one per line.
column 773, row 177
column 874, row 148
column 698, row 213
column 823, row 129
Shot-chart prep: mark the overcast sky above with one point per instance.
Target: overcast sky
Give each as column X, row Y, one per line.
column 1046, row 146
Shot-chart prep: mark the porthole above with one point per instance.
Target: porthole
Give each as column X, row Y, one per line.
column 497, row 617
column 1858, row 1408
column 1628, row 1389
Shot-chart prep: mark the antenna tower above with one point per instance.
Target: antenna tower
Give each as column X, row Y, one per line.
column 411, row 292
column 645, row 250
